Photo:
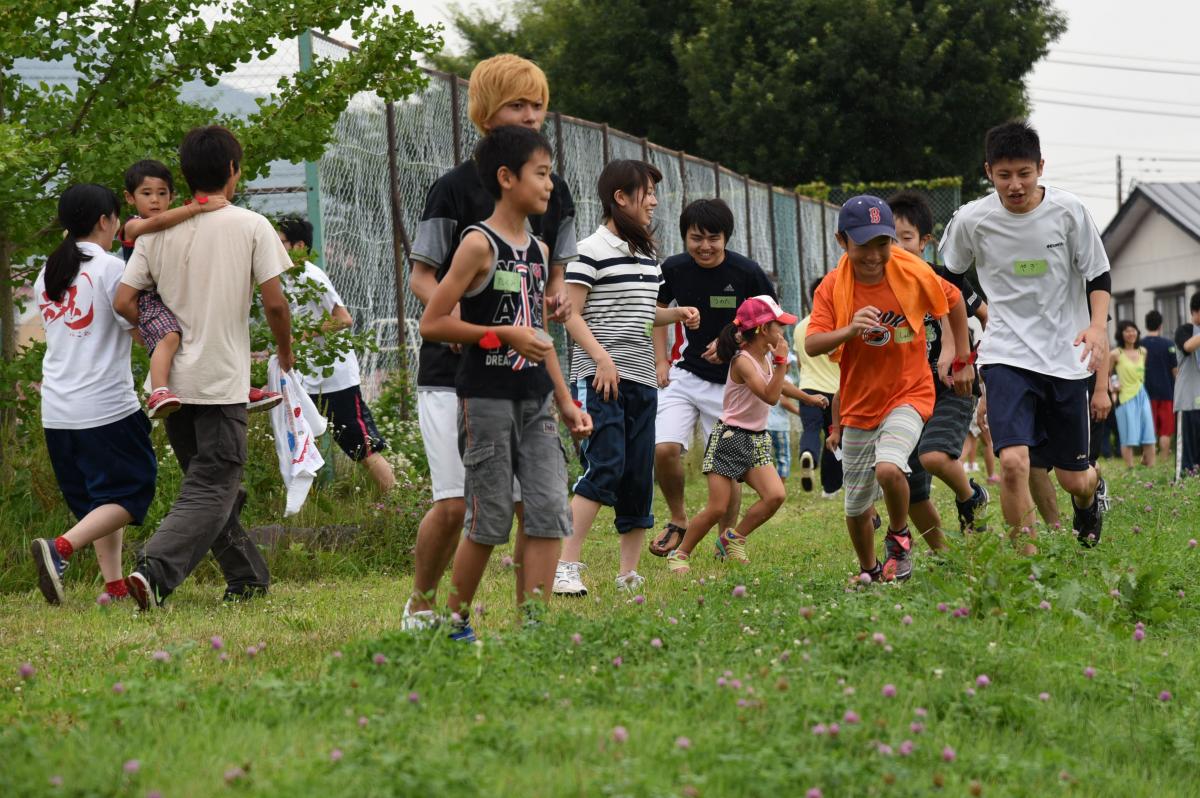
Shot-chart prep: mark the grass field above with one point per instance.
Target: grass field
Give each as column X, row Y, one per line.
column 988, row 673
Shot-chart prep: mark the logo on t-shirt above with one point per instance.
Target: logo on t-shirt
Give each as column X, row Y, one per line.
column 75, row 309
column 891, row 325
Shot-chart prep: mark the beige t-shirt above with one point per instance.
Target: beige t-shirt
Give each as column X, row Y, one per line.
column 205, row 269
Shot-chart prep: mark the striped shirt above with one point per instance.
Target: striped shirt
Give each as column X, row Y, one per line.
column 620, row 306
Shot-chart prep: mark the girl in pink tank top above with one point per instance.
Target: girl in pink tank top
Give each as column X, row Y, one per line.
column 739, row 447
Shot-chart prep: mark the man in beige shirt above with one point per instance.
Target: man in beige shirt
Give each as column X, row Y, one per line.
column 205, row 270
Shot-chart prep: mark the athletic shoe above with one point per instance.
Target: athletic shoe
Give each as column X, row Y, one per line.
column 1088, row 522
column 162, row 403
column 898, row 565
column 461, row 631
column 967, row 510
column 631, row 582
column 994, row 479
column 144, row 592
column 260, row 400
column 875, row 574
column 243, row 592
column 1103, row 500
column 806, row 471
column 50, row 568
column 732, row 546
column 419, row 621
column 828, row 495
column 567, row 581
column 677, row 563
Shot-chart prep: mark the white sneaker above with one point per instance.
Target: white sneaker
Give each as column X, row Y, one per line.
column 418, row 621
column 825, row 495
column 631, row 582
column 567, row 581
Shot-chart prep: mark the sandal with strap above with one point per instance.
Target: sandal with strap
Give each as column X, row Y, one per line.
column 668, row 541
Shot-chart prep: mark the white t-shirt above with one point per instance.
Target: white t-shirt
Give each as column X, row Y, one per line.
column 86, row 377
column 1033, row 267
column 205, row 269
column 345, row 370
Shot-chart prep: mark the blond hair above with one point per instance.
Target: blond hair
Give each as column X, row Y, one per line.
column 500, row 80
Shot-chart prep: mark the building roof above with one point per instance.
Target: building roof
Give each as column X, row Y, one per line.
column 1179, row 202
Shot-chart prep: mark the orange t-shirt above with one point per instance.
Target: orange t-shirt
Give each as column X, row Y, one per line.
column 884, row 368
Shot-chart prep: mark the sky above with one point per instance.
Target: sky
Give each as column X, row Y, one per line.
column 1141, row 109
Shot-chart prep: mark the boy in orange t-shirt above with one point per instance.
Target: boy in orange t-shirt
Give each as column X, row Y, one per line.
column 869, row 315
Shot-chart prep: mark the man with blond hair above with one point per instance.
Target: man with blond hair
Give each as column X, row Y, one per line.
column 504, row 90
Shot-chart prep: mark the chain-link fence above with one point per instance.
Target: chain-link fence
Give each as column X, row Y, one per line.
column 366, row 194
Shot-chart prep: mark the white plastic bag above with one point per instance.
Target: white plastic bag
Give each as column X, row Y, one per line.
column 297, row 425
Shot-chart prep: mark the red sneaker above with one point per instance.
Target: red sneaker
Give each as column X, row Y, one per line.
column 162, row 403
column 262, row 400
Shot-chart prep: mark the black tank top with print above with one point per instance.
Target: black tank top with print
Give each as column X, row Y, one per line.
column 512, row 295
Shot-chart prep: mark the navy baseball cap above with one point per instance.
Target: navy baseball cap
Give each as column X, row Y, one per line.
column 865, row 217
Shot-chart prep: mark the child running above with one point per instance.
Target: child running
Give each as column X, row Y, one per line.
column 150, row 189
column 739, row 448
column 869, row 315
column 614, row 284
column 97, row 437
column 509, row 375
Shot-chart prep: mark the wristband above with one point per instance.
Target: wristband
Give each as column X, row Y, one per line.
column 961, row 363
column 489, row 340
column 779, row 361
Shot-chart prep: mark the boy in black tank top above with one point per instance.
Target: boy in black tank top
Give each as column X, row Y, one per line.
column 508, row 376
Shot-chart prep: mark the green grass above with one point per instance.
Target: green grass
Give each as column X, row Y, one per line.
column 531, row 713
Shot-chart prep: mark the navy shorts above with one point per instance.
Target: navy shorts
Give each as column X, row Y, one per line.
column 1050, row 415
column 618, row 458
column 351, row 422
column 110, row 464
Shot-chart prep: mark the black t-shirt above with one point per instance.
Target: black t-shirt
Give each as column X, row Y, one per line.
column 933, row 330
column 454, row 202
column 716, row 293
column 1160, row 360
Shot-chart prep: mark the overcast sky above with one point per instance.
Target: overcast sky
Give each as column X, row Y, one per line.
column 1080, row 144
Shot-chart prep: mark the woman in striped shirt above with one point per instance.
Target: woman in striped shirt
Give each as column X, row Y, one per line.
column 614, row 282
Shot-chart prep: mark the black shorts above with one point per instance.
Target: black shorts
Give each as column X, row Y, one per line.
column 110, row 464
column 1050, row 415
column 351, row 422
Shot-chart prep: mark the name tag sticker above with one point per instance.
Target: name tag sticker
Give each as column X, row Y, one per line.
column 506, row 281
column 722, row 302
column 649, row 329
column 904, row 335
column 1030, row 268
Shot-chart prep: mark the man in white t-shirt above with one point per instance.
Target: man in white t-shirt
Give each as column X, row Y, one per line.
column 335, row 391
column 205, row 269
column 1042, row 265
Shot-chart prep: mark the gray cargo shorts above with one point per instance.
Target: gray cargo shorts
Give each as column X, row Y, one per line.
column 500, row 439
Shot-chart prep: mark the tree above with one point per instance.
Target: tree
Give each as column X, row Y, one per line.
column 131, row 58
column 787, row 90
column 607, row 60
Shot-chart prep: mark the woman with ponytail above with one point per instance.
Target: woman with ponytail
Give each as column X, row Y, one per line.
column 614, row 282
column 97, row 436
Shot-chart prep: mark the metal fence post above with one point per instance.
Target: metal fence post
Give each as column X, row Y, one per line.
column 683, row 178
column 401, row 246
column 749, row 225
column 606, row 152
column 455, row 119
column 771, row 219
column 800, row 250
column 645, row 150
column 717, row 178
column 312, row 176
column 824, row 242
column 560, row 164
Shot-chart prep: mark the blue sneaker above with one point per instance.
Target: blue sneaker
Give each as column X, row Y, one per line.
column 461, row 631
column 50, row 568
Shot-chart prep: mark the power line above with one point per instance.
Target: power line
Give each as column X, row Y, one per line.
column 1119, row 68
column 1121, row 57
column 1116, row 97
column 1115, row 148
column 1144, row 112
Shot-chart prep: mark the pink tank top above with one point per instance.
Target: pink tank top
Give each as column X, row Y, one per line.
column 742, row 408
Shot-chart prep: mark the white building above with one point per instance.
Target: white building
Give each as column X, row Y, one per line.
column 1153, row 244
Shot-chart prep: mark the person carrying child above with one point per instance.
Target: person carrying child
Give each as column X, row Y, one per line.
column 739, row 447
column 509, row 376
column 97, row 436
column 150, row 189
column 869, row 316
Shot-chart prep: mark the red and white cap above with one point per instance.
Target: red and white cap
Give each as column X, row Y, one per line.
column 759, row 310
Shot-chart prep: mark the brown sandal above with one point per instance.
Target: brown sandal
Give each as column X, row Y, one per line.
column 668, row 541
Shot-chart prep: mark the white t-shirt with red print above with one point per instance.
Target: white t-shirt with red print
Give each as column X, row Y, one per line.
column 86, row 376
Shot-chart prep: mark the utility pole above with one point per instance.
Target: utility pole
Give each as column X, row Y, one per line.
column 1120, row 199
